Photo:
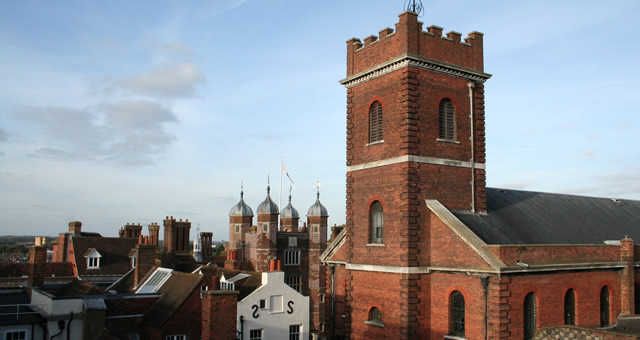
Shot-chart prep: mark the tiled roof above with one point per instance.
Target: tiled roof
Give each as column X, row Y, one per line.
column 175, row 292
column 50, row 269
column 527, row 217
column 244, row 286
column 114, row 251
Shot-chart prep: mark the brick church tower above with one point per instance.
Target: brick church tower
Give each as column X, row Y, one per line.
column 415, row 131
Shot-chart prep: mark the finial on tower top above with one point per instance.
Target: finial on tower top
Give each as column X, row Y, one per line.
column 241, row 189
column 268, row 185
column 413, row 6
column 318, row 193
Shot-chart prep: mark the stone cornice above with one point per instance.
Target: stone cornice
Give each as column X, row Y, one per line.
column 418, row 62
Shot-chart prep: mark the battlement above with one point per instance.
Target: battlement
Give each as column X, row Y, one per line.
column 408, row 39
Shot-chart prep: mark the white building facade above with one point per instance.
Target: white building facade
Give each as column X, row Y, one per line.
column 274, row 311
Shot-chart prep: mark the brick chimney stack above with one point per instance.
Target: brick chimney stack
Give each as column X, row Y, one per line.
column 75, row 227
column 37, row 263
column 207, row 242
column 219, row 309
column 145, row 260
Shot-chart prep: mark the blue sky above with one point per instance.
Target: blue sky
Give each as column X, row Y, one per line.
column 120, row 111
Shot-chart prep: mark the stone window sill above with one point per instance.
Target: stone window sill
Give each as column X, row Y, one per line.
column 374, row 323
column 376, row 142
column 452, row 142
column 454, row 337
column 375, row 244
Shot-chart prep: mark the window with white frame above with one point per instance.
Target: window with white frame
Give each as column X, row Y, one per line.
column 255, row 334
column 293, row 282
column 133, row 261
column 176, row 337
column 227, row 285
column 291, row 257
column 202, row 290
column 265, row 228
column 15, row 335
column 316, row 229
column 294, row 332
column 276, row 303
column 237, row 229
column 93, row 258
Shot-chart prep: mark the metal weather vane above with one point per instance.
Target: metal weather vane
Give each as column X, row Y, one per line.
column 413, row 6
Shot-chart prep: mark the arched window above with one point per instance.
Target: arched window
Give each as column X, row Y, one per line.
column 376, row 217
column 447, row 120
column 570, row 308
column 637, row 298
column 375, row 317
column 529, row 316
column 604, row 307
column 456, row 314
column 375, row 122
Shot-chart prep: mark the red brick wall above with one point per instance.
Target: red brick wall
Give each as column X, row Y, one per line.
column 219, row 310
column 450, row 251
column 550, row 289
column 442, row 285
column 549, row 254
column 371, row 287
column 188, row 318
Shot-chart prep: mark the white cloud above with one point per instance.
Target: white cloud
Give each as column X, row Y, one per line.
column 4, row 136
column 129, row 132
column 175, row 48
column 168, row 80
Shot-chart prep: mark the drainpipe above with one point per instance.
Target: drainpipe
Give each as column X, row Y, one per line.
column 485, row 286
column 471, row 85
column 241, row 327
column 69, row 326
column 333, row 302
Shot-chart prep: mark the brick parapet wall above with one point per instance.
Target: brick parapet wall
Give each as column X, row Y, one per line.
column 555, row 254
column 410, row 38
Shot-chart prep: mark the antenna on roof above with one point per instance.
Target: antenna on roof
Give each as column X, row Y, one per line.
column 414, row 6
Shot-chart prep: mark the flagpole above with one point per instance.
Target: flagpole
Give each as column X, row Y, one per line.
column 280, row 197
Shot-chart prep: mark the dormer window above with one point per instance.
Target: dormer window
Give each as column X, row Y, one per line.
column 93, row 258
column 230, row 284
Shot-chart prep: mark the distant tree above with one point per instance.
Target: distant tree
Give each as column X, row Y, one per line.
column 219, row 249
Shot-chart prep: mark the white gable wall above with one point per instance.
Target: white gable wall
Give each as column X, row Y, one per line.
column 283, row 307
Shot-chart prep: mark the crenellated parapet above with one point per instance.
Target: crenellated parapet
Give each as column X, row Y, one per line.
column 410, row 45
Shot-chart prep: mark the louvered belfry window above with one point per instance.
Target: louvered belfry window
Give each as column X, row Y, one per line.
column 375, row 122
column 447, row 120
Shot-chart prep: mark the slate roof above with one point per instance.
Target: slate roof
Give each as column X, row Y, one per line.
column 175, row 292
column 528, row 217
column 114, row 251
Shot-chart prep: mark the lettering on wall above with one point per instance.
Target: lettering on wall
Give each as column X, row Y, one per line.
column 290, row 305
